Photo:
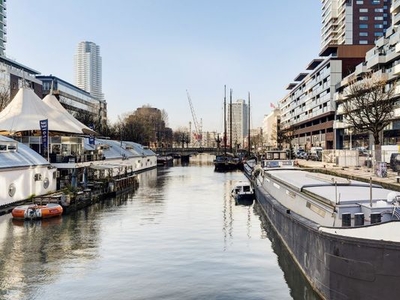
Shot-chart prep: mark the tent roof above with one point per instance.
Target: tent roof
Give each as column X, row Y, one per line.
column 25, row 111
column 53, row 102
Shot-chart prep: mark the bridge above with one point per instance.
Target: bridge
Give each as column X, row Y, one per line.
column 187, row 151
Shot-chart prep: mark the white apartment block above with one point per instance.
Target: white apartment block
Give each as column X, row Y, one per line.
column 237, row 122
column 270, row 129
column 309, row 108
column 3, row 26
column 88, row 69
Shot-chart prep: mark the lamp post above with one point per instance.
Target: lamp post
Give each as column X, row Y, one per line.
column 350, row 131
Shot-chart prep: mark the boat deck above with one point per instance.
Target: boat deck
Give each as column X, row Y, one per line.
column 331, row 189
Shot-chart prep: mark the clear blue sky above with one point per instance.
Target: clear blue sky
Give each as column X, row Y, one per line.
column 155, row 50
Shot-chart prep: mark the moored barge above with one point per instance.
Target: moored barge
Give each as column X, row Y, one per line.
column 342, row 234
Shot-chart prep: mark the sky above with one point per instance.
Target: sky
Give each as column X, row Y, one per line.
column 154, row 51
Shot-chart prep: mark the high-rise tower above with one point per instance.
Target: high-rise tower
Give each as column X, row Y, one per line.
column 354, row 22
column 237, row 125
column 2, row 27
column 88, row 69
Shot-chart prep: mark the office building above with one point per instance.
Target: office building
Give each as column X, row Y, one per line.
column 88, row 69
column 81, row 104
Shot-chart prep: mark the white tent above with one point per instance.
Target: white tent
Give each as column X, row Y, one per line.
column 53, row 102
column 26, row 110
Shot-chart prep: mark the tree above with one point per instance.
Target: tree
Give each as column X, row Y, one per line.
column 4, row 96
column 284, row 138
column 368, row 105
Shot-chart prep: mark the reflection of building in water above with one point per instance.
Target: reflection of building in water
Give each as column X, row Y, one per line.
column 30, row 248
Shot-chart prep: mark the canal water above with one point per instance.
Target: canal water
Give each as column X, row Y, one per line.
column 179, row 235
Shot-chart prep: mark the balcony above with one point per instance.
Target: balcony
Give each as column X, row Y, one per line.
column 395, row 8
column 396, row 69
column 376, row 60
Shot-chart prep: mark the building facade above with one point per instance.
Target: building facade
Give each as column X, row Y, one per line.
column 354, row 22
column 88, row 69
column 237, row 123
column 3, row 26
column 383, row 60
column 271, row 127
column 349, row 31
column 77, row 101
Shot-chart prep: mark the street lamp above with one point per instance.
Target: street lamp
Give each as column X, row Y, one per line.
column 350, row 131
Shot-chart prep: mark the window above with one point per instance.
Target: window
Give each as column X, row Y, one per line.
column 378, row 25
column 379, row 18
column 378, row 34
column 363, row 18
column 363, row 42
column 363, row 10
column 375, row 2
column 363, row 33
column 359, row 2
column 379, row 10
column 363, row 26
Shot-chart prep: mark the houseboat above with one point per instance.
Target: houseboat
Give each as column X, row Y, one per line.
column 342, row 234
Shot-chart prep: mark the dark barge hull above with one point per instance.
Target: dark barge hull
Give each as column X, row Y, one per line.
column 337, row 267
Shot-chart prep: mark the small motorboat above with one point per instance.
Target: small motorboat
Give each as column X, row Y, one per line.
column 35, row 211
column 243, row 191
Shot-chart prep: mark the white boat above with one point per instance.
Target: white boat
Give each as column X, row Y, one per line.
column 344, row 235
column 242, row 191
column 23, row 173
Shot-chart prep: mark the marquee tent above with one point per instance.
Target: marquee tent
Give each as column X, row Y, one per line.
column 26, row 110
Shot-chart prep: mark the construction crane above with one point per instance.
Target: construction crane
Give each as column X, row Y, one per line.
column 197, row 134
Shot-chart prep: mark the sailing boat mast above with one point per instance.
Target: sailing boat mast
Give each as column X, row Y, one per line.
column 230, row 120
column 225, row 137
column 248, row 137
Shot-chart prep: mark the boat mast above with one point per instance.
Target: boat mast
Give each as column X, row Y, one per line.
column 248, row 137
column 225, row 137
column 230, row 120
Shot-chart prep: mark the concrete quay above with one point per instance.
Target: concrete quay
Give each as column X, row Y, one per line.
column 361, row 173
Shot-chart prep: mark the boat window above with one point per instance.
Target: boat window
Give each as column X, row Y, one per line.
column 46, row 183
column 246, row 188
column 3, row 147
column 11, row 190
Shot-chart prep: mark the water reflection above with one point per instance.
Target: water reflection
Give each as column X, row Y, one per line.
column 300, row 289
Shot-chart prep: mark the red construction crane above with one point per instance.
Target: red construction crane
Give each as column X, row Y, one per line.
column 197, row 133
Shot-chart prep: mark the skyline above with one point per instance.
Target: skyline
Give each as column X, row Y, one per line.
column 153, row 51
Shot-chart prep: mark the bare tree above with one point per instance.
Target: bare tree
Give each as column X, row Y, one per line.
column 368, row 105
column 4, row 96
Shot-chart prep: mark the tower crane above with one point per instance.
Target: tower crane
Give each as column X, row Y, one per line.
column 197, row 134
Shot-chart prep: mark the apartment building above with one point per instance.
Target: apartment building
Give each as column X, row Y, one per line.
column 237, row 122
column 353, row 22
column 384, row 61
column 88, row 69
column 349, row 30
column 3, row 26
